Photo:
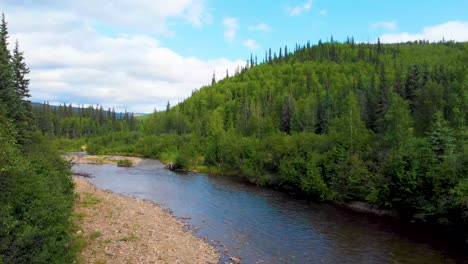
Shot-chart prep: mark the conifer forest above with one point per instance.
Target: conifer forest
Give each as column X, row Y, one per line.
column 382, row 124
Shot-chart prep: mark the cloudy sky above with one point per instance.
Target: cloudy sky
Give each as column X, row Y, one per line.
column 139, row 54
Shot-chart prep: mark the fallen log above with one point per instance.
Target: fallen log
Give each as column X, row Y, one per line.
column 83, row 174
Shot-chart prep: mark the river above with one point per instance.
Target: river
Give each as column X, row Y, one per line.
column 261, row 225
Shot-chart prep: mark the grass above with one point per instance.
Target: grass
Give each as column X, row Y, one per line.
column 79, row 215
column 215, row 170
column 95, row 234
column 89, row 200
column 124, row 163
column 101, row 160
column 79, row 243
column 128, row 238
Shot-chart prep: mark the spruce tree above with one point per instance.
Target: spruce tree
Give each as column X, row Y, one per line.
column 287, row 113
column 213, row 79
column 412, row 84
column 441, row 137
column 383, row 100
column 371, row 105
column 24, row 116
column 168, row 107
column 8, row 98
column 20, row 70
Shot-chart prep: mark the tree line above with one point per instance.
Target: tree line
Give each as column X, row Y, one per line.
column 36, row 191
column 76, row 122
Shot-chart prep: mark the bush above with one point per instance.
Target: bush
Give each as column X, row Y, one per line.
column 182, row 160
column 36, row 201
column 124, row 163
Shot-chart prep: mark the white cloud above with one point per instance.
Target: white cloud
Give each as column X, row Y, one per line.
column 388, row 25
column 71, row 61
column 251, row 44
column 323, row 12
column 136, row 15
column 298, row 10
column 452, row 30
column 260, row 27
column 231, row 25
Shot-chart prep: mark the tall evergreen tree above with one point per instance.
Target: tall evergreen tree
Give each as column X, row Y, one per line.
column 371, row 105
column 168, row 107
column 398, row 86
column 287, row 113
column 21, row 70
column 441, row 137
column 383, row 98
column 213, row 79
column 412, row 84
column 24, row 117
column 7, row 90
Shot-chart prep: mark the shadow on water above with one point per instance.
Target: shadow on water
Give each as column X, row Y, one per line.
column 266, row 226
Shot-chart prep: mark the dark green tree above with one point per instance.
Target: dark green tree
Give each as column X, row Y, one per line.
column 383, row 99
column 8, row 96
column 287, row 113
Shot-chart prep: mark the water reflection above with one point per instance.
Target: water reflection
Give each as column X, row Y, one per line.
column 263, row 225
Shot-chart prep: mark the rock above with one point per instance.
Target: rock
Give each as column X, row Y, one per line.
column 235, row 259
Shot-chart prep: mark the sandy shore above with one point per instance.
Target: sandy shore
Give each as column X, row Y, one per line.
column 99, row 159
column 121, row 229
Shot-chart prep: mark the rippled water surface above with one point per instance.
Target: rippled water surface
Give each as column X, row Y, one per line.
column 266, row 226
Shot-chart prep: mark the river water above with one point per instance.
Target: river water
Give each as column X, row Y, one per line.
column 261, row 225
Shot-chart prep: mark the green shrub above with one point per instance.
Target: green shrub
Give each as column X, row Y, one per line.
column 36, row 201
column 124, row 163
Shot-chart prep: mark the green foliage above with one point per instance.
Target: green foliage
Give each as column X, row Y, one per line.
column 75, row 122
column 381, row 123
column 378, row 123
column 182, row 160
column 89, row 200
column 118, row 143
column 36, row 202
column 124, row 163
column 397, row 122
column 69, row 145
column 36, row 191
column 312, row 181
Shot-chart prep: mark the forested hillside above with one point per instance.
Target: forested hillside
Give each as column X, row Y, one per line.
column 36, row 192
column 384, row 124
column 381, row 123
column 75, row 122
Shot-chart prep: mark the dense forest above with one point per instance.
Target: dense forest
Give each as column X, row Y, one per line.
column 75, row 122
column 36, row 191
column 385, row 124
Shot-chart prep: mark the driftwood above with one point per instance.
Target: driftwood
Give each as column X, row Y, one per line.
column 170, row 166
column 83, row 174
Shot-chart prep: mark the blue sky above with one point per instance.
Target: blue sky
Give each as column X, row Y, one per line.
column 139, row 54
column 323, row 19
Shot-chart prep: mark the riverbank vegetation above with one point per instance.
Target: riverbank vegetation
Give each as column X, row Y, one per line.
column 36, row 191
column 124, row 163
column 379, row 123
column 384, row 124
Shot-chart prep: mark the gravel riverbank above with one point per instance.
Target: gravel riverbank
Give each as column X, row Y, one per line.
column 121, row 229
